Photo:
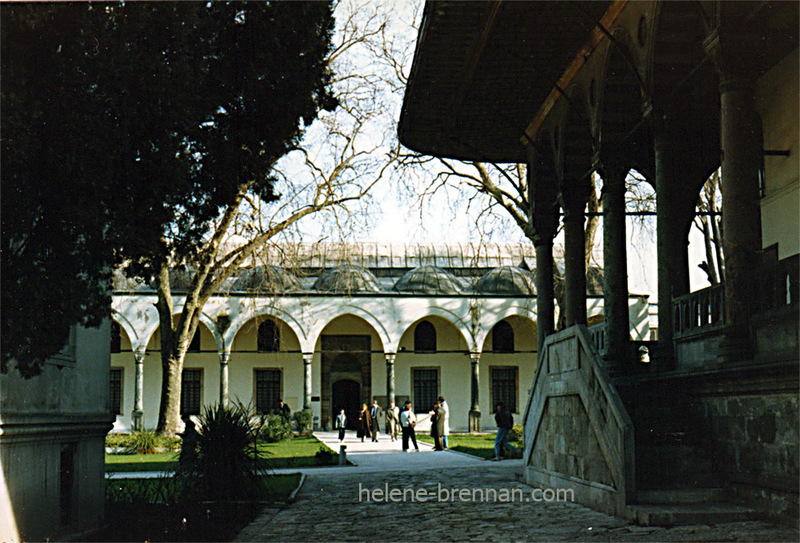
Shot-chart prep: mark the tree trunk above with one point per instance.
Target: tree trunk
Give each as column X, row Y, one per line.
column 592, row 220
column 169, row 410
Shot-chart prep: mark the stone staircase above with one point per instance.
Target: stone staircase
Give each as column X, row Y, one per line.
column 676, row 480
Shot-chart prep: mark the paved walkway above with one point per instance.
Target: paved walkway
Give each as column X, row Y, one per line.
column 351, row 504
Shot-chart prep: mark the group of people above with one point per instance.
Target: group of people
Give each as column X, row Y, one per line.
column 399, row 421
column 403, row 421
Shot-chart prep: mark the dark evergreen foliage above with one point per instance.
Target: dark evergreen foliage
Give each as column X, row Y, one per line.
column 126, row 128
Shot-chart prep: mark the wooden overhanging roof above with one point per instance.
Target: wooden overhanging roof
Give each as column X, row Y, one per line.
column 482, row 70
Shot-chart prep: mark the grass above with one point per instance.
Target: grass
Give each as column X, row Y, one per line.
column 297, row 452
column 480, row 445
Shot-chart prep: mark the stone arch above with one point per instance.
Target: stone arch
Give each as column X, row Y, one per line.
column 513, row 311
column 275, row 312
column 622, row 136
column 348, row 309
column 205, row 319
column 444, row 314
column 126, row 325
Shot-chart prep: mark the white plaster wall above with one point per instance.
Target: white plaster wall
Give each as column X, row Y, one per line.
column 778, row 101
column 67, row 405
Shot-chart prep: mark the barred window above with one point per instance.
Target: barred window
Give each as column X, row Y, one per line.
column 425, row 338
column 115, row 391
column 191, row 391
column 426, row 388
column 502, row 338
column 116, row 337
column 269, row 337
column 268, row 390
column 504, row 388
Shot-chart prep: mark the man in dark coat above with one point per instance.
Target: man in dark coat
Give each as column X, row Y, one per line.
column 437, row 427
column 375, row 413
column 504, row 421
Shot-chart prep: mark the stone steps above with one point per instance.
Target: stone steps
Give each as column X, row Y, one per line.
column 690, row 514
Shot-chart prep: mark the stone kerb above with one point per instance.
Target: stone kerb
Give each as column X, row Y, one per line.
column 577, row 432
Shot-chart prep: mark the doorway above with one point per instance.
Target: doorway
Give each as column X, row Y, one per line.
column 346, row 394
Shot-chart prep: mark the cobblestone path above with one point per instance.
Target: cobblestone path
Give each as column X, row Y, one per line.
column 336, row 506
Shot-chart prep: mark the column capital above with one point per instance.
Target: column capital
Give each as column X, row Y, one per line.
column 138, row 356
column 474, row 357
column 390, row 357
column 308, row 358
column 733, row 55
column 224, row 357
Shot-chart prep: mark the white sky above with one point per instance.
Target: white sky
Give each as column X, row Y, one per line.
column 393, row 214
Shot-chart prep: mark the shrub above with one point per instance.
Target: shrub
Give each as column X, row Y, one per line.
column 226, row 465
column 168, row 443
column 144, row 442
column 323, row 457
column 516, row 434
column 304, row 423
column 118, row 441
column 274, row 428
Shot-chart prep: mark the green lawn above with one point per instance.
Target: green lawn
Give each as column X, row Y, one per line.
column 290, row 453
column 480, row 445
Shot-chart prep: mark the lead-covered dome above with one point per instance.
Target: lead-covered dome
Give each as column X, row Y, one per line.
column 428, row 280
column 345, row 279
column 266, row 279
column 507, row 281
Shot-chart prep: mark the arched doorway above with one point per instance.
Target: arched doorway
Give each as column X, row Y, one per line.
column 346, row 394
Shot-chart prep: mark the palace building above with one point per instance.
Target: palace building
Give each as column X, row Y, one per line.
column 331, row 326
column 674, row 90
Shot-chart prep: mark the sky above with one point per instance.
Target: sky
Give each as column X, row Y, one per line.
column 393, row 212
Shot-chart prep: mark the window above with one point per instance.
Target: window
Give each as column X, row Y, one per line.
column 116, row 337
column 115, row 391
column 269, row 337
column 502, row 338
column 191, row 391
column 504, row 388
column 426, row 388
column 268, row 390
column 425, row 338
column 194, row 346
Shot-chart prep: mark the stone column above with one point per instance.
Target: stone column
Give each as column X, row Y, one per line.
column 390, row 395
column 574, row 204
column 224, row 358
column 742, row 153
column 137, row 416
column 543, row 217
column 475, row 409
column 671, row 240
column 615, row 264
column 307, row 359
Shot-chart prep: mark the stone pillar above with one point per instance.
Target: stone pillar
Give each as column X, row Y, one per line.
column 224, row 358
column 307, row 359
column 475, row 409
column 615, row 268
column 574, row 204
column 671, row 239
column 742, row 153
column 545, row 300
column 137, row 416
column 390, row 395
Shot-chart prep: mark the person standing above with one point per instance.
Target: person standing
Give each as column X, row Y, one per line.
column 504, row 421
column 446, row 409
column 392, row 421
column 364, row 423
column 284, row 409
column 437, row 426
column 407, row 422
column 341, row 424
column 375, row 413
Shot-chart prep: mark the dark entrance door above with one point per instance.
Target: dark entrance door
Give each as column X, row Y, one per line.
column 347, row 395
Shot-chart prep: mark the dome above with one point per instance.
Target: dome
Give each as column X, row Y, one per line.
column 428, row 280
column 266, row 279
column 508, row 281
column 123, row 283
column 345, row 279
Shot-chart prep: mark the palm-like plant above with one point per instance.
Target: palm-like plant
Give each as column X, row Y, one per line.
column 226, row 465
